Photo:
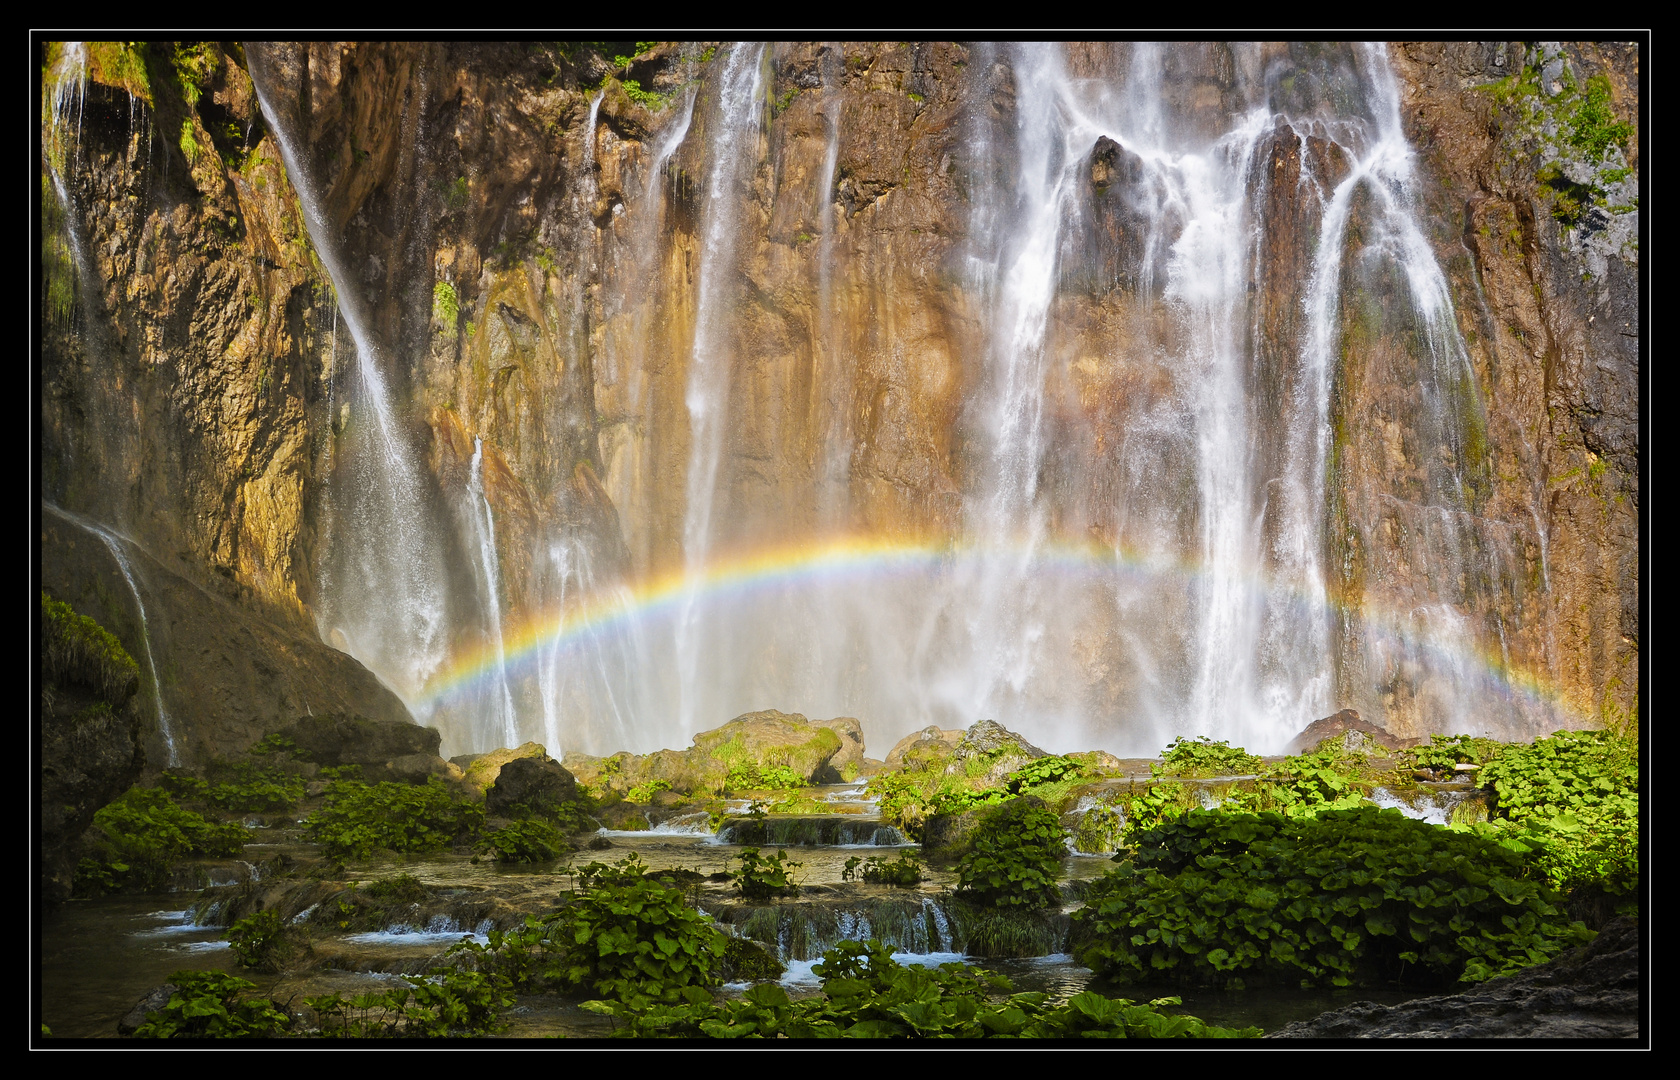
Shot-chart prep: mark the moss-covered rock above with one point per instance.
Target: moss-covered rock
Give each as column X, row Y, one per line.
column 91, row 736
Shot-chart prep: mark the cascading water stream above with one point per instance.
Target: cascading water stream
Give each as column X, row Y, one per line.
column 166, row 725
column 389, row 604
column 731, row 154
column 482, row 526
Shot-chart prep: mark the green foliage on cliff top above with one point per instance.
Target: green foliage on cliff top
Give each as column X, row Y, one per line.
column 76, row 649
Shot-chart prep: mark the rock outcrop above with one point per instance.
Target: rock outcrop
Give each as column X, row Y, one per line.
column 91, row 736
column 1594, row 992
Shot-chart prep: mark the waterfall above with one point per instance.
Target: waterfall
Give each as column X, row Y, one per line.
column 731, row 155
column 387, row 606
column 482, row 528
column 166, row 725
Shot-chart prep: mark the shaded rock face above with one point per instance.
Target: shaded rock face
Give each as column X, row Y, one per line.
column 1590, row 993
column 385, row 749
column 92, row 750
column 540, row 784
column 227, row 674
column 532, row 262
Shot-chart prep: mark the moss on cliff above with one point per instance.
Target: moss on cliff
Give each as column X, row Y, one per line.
column 75, row 649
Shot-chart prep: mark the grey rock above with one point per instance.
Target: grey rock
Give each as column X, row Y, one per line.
column 1588, row 993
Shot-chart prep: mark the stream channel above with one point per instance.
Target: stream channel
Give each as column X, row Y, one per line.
column 100, row 956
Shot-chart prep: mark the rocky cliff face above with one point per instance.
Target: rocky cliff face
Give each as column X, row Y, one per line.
column 427, row 350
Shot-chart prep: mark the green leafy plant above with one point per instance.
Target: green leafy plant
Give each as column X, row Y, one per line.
column 262, row 941
column 765, row 877
column 280, row 746
column 635, row 940
column 142, row 835
column 1347, row 897
column 208, row 1005
column 446, row 305
column 1575, row 795
column 1202, row 757
column 1015, row 858
column 869, row 995
column 905, row 872
column 359, row 819
column 445, row 1003
column 751, row 776
column 643, row 793
column 1444, row 751
column 524, row 841
column 1045, row 770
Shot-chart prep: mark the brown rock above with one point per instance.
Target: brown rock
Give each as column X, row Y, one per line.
column 1339, row 724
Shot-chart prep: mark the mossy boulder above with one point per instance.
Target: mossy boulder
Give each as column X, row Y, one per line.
column 91, row 736
column 539, row 785
column 988, row 752
column 819, row 751
column 480, row 771
column 822, row 751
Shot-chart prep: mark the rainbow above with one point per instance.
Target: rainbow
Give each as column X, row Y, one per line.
column 851, row 559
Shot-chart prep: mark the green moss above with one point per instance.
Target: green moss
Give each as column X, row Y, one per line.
column 76, row 649
column 446, row 306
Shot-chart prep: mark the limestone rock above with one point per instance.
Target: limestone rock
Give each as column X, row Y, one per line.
column 153, row 1001
column 385, row 749
column 930, row 740
column 1588, row 993
column 539, row 783
column 482, row 770
column 1001, row 749
column 1348, row 725
column 824, row 751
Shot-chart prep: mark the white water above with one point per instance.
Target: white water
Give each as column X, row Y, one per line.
column 166, row 724
column 732, row 151
column 482, row 527
column 387, row 603
column 1215, row 616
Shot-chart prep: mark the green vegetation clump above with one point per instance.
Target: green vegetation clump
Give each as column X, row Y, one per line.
column 525, row 841
column 633, row 939
column 208, row 1005
column 1349, row 897
column 446, row 306
column 1444, row 751
column 751, row 776
column 445, row 1003
column 142, row 835
column 1015, row 859
column 905, row 872
column 869, row 995
column 643, row 793
column 765, row 877
column 1574, row 796
column 1202, row 757
column 76, row 649
column 255, row 790
column 262, row 941
column 359, row 819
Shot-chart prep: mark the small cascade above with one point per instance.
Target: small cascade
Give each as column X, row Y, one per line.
column 800, row 831
column 482, row 529
column 166, row 725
